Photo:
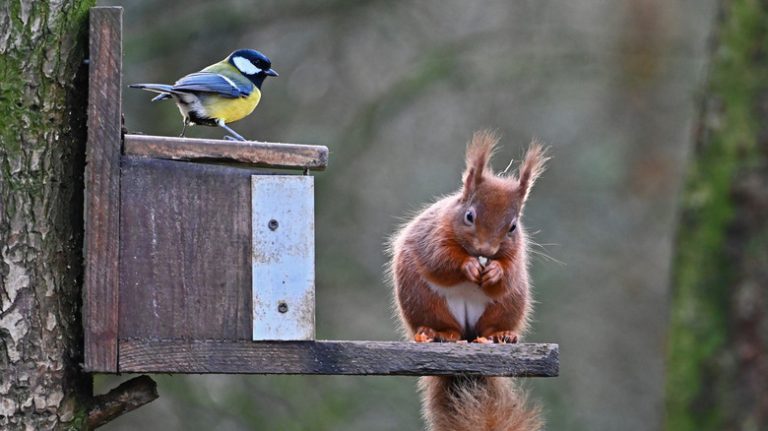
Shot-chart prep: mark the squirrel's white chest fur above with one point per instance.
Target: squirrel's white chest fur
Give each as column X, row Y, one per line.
column 466, row 301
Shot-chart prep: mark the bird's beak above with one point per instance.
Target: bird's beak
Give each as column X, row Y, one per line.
column 271, row 72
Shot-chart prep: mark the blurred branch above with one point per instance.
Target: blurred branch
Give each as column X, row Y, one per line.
column 128, row 396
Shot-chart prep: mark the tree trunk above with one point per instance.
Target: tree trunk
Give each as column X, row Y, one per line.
column 718, row 342
column 43, row 94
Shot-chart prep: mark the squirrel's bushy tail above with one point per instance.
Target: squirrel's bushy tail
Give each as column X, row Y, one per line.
column 465, row 403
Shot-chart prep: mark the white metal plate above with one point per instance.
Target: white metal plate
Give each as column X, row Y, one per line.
column 283, row 257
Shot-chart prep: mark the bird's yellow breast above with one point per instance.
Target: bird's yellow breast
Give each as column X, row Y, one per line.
column 231, row 110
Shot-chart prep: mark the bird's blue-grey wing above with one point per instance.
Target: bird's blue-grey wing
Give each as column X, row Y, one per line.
column 213, row 83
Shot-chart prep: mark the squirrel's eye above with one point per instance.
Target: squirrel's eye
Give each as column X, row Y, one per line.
column 512, row 228
column 469, row 217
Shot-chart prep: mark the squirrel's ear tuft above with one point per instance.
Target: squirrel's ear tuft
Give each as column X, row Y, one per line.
column 531, row 168
column 479, row 152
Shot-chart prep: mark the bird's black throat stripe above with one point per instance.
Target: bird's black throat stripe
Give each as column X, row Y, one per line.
column 258, row 80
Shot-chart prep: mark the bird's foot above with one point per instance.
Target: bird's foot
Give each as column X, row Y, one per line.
column 233, row 136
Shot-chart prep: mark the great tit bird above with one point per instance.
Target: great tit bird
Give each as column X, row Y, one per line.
column 222, row 93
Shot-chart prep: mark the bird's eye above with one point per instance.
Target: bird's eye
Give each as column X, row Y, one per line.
column 512, row 228
column 469, row 217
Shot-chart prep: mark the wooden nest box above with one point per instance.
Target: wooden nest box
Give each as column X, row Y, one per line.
column 198, row 260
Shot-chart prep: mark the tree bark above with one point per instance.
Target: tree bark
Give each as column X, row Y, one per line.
column 718, row 341
column 43, row 94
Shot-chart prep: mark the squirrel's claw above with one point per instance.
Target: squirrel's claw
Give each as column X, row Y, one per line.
column 502, row 337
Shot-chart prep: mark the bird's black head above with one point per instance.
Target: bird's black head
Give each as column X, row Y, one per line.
column 253, row 64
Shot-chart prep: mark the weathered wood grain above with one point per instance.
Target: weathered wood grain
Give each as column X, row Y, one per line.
column 185, row 256
column 338, row 357
column 263, row 154
column 102, row 179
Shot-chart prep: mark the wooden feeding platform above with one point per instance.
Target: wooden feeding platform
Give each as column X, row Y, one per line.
column 200, row 260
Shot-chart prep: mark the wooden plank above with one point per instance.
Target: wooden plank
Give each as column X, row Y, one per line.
column 283, row 257
column 185, row 250
column 102, row 179
column 388, row 358
column 263, row 154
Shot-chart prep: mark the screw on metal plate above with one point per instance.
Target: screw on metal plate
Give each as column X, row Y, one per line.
column 273, row 224
column 282, row 307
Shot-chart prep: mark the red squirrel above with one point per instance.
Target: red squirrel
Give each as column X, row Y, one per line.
column 460, row 271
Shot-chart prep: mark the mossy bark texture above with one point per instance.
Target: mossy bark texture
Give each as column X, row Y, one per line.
column 43, row 95
column 718, row 341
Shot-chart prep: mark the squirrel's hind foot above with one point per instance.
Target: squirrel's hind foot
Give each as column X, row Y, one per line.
column 499, row 337
column 426, row 335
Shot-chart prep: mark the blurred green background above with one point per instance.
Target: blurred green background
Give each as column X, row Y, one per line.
column 395, row 89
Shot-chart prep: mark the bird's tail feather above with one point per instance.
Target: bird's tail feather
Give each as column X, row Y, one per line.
column 466, row 403
column 165, row 90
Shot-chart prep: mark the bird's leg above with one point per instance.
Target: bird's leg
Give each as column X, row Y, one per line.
column 184, row 129
column 235, row 136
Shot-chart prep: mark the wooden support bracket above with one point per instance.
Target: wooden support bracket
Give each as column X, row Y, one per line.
column 102, row 189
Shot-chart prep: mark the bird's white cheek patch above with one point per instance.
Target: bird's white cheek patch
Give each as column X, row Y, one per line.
column 245, row 65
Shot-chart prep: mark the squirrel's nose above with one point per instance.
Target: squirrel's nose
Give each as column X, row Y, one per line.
column 486, row 249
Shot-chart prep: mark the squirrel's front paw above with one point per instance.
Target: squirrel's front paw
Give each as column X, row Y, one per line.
column 472, row 269
column 491, row 273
